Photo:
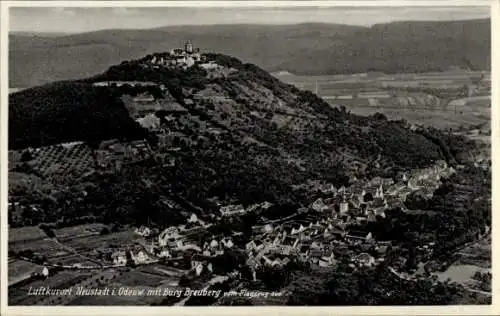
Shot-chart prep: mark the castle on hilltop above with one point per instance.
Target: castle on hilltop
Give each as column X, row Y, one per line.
column 178, row 57
column 189, row 55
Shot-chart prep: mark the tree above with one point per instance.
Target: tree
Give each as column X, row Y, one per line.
column 26, row 156
column 274, row 278
column 368, row 197
column 105, row 231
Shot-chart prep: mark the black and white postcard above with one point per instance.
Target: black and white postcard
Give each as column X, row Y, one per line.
column 264, row 155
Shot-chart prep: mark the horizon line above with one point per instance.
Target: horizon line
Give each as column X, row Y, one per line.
column 61, row 34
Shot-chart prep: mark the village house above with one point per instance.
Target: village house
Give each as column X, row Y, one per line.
column 275, row 260
column 288, row 245
column 358, row 236
column 254, row 245
column 181, row 246
column 214, row 248
column 297, row 230
column 140, row 258
column 164, row 253
column 327, row 261
column 315, row 255
column 320, row 206
column 316, row 245
column 198, row 265
column 194, row 220
column 227, row 242
column 170, row 237
column 361, row 220
column 303, row 253
column 143, row 231
column 267, row 229
column 122, row 83
column 119, row 258
column 41, row 272
column 150, row 122
column 232, row 210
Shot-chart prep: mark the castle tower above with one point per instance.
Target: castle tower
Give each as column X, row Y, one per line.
column 188, row 47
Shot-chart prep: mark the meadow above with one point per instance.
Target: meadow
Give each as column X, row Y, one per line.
column 398, row 97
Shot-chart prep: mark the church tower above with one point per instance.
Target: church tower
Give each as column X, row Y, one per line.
column 188, row 47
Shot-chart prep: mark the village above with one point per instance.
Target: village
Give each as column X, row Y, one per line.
column 321, row 239
column 319, row 235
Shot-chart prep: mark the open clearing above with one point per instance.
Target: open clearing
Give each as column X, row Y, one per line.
column 475, row 258
column 20, row 270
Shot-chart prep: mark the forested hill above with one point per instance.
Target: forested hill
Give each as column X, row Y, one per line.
column 67, row 111
column 267, row 129
column 300, row 49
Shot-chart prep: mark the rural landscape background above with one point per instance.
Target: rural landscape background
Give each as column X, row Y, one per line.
column 323, row 163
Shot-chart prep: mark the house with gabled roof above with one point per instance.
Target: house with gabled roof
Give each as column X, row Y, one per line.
column 327, row 261
column 119, row 258
column 315, row 255
column 360, row 220
column 227, row 242
column 356, row 236
column 316, row 245
column 140, row 258
column 291, row 241
column 170, row 237
column 255, row 244
column 165, row 253
column 298, row 230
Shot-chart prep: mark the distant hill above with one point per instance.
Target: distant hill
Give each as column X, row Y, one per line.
column 300, row 49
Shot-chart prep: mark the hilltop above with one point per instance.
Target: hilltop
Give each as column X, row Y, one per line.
column 301, row 49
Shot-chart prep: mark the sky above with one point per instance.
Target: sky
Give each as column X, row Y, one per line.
column 78, row 20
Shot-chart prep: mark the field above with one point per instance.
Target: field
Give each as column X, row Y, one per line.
column 472, row 259
column 20, row 270
column 114, row 240
column 137, row 278
column 161, row 270
column 25, row 234
column 132, row 279
column 64, row 279
column 478, row 254
column 47, row 247
column 78, row 231
column 78, row 244
column 69, row 259
column 440, row 119
column 96, row 280
column 61, row 161
column 366, row 94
